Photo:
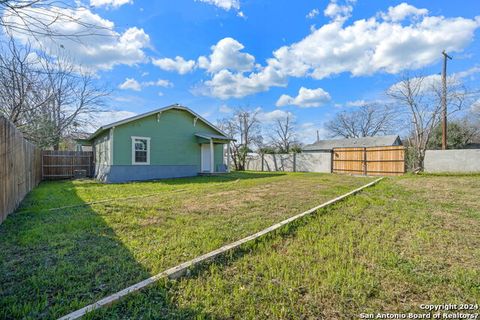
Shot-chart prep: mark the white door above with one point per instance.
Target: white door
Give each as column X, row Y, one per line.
column 206, row 158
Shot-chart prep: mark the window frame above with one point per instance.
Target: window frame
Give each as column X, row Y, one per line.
column 134, row 138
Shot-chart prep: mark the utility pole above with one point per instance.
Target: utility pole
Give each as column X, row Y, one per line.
column 444, row 100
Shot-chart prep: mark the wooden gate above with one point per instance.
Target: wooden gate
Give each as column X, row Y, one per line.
column 66, row 164
column 374, row 161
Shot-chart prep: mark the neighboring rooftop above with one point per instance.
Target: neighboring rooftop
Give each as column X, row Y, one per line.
column 379, row 141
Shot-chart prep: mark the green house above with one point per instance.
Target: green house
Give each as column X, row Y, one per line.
column 168, row 142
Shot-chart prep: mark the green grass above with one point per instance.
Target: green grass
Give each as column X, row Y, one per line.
column 53, row 262
column 404, row 242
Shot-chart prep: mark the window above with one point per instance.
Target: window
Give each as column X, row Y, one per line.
column 140, row 150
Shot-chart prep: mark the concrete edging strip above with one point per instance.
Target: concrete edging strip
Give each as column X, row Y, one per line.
column 181, row 269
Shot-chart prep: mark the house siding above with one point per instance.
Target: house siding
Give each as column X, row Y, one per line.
column 174, row 149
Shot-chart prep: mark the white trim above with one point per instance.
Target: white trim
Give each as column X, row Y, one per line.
column 133, row 150
column 228, row 157
column 212, row 157
column 204, row 164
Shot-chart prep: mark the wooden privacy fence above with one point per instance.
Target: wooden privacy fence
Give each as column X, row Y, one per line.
column 20, row 167
column 66, row 164
column 375, row 161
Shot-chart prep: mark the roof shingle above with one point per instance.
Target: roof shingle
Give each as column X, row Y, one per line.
column 379, row 141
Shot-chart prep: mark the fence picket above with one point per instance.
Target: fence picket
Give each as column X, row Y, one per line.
column 383, row 161
column 63, row 164
column 19, row 167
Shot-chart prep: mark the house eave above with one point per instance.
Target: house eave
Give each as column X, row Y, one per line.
column 150, row 113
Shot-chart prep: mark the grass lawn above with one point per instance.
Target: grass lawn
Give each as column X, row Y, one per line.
column 392, row 247
column 53, row 262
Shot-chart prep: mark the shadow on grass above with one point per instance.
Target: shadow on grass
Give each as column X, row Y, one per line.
column 226, row 177
column 52, row 263
column 149, row 302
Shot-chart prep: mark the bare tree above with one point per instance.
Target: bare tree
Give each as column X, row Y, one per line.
column 19, row 80
column 48, row 99
column 72, row 98
column 418, row 99
column 283, row 136
column 40, row 18
column 367, row 121
column 245, row 128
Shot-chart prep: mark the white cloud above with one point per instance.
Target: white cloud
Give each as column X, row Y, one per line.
column 313, row 13
column 402, row 11
column 356, row 103
column 225, row 84
column 109, row 3
column 106, row 117
column 428, row 82
column 159, row 83
column 87, row 38
column 306, row 98
column 226, row 55
column 338, row 12
column 469, row 73
column 224, row 4
column 362, row 48
column 307, row 132
column 370, row 46
column 225, row 109
column 475, row 108
column 179, row 64
column 268, row 117
column 130, row 84
column 133, row 84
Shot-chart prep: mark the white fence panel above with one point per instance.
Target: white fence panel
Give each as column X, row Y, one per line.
column 306, row 162
column 461, row 160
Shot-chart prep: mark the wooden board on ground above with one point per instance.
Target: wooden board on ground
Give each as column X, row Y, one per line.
column 182, row 269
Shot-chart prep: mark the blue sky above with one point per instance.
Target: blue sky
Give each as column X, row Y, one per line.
column 260, row 54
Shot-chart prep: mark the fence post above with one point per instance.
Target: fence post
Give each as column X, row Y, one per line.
column 262, row 161
column 294, row 162
column 364, row 161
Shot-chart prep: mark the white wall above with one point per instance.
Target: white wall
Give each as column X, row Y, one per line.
column 306, row 162
column 314, row 162
column 461, row 160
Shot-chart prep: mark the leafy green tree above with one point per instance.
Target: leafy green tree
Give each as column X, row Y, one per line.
column 460, row 133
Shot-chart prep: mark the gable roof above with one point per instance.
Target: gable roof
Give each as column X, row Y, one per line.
column 146, row 114
column 379, row 141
